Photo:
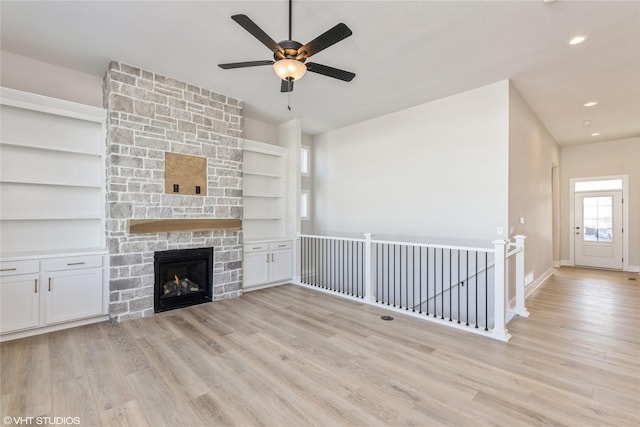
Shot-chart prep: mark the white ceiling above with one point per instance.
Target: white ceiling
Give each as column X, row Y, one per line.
column 404, row 53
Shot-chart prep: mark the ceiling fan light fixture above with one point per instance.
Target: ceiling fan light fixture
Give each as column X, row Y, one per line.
column 289, row 69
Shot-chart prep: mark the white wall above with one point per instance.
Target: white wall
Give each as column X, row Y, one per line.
column 260, row 131
column 437, row 170
column 532, row 155
column 26, row 74
column 289, row 135
column 621, row 157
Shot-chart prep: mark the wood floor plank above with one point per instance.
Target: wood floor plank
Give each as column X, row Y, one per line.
column 129, row 414
column 291, row 356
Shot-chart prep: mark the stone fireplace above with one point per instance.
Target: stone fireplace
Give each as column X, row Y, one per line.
column 150, row 115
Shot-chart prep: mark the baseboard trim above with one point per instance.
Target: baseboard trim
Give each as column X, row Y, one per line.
column 43, row 330
column 265, row 285
column 531, row 287
column 629, row 268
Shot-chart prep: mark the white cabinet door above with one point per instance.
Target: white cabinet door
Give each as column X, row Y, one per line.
column 73, row 294
column 256, row 268
column 280, row 265
column 19, row 302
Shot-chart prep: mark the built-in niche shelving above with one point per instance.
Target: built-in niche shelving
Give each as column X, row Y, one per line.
column 264, row 197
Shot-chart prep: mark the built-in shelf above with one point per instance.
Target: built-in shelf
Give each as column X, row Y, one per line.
column 264, row 218
column 22, row 255
column 51, row 218
column 47, row 148
column 52, row 175
column 52, row 179
column 264, row 171
column 265, row 175
column 264, row 196
column 50, row 184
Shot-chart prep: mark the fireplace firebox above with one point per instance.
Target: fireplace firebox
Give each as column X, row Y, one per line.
column 183, row 277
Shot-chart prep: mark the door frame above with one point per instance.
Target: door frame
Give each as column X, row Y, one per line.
column 625, row 215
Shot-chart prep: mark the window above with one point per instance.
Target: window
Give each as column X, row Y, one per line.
column 597, row 218
column 304, row 204
column 304, row 161
column 600, row 185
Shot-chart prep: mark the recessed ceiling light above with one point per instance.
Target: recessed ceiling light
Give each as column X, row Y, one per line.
column 578, row 39
column 590, row 104
column 595, row 134
column 587, row 122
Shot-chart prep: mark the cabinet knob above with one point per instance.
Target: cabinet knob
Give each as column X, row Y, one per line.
column 35, row 286
column 49, row 284
column 9, row 269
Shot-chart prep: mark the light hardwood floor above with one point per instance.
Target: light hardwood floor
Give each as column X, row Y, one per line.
column 289, row 356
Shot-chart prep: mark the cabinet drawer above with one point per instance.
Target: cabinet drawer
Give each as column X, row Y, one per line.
column 71, row 263
column 11, row 268
column 285, row 244
column 256, row 247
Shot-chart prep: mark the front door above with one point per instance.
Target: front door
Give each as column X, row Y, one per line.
column 598, row 229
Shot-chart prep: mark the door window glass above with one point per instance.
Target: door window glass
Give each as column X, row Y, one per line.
column 597, row 218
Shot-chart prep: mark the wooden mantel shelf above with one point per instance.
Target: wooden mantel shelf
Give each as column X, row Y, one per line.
column 137, row 226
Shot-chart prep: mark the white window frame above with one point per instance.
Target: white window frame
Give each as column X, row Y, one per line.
column 305, row 167
column 305, row 195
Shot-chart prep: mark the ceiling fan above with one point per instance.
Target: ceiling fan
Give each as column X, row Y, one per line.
column 289, row 56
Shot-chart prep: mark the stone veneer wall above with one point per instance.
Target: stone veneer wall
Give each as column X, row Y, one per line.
column 148, row 115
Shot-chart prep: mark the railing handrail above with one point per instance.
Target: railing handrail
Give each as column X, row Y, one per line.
column 316, row 236
column 434, row 245
column 513, row 252
column 400, row 242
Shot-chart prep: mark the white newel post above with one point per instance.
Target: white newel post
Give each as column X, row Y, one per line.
column 520, row 309
column 297, row 265
column 499, row 320
column 369, row 293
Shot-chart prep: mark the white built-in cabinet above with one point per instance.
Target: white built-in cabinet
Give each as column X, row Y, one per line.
column 267, row 250
column 20, row 290
column 41, row 293
column 267, row 263
column 52, row 213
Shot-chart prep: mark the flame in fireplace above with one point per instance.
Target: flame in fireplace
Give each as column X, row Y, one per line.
column 177, row 279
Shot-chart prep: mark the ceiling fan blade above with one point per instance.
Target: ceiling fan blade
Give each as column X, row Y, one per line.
column 325, row 70
column 246, row 23
column 324, row 40
column 286, row 86
column 244, row 64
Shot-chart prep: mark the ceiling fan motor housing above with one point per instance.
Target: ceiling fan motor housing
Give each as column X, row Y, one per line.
column 290, row 48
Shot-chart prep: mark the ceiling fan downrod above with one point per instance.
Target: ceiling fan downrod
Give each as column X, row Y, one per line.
column 290, row 19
